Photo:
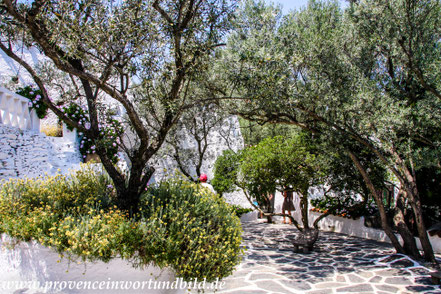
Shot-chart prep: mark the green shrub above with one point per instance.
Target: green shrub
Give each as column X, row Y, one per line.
column 343, row 206
column 180, row 224
column 239, row 210
column 199, row 231
column 226, row 168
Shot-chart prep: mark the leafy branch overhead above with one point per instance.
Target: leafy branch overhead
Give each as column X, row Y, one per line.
column 142, row 55
column 363, row 78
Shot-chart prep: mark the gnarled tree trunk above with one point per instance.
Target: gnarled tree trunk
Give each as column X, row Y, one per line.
column 409, row 244
column 379, row 201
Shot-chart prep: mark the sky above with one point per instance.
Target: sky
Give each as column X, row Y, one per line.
column 289, row 4
column 294, row 4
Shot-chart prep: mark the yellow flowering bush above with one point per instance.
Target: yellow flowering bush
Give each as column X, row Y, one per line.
column 192, row 229
column 180, row 225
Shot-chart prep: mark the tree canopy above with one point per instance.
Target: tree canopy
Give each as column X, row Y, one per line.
column 277, row 163
column 364, row 76
column 142, row 55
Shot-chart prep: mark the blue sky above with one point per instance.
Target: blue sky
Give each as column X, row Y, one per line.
column 289, row 4
column 295, row 4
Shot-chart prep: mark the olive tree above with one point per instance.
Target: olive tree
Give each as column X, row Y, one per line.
column 365, row 76
column 191, row 143
column 142, row 55
column 273, row 164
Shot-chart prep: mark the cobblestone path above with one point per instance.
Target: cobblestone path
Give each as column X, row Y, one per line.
column 338, row 264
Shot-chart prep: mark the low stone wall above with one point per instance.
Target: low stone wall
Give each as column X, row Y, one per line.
column 29, row 154
column 32, row 268
column 357, row 228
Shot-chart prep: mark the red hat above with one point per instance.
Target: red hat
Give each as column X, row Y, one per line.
column 203, row 178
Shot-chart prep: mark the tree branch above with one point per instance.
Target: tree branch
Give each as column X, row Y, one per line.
column 42, row 87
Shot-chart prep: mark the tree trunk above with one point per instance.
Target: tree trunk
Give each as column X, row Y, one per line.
column 268, row 209
column 304, row 210
column 378, row 200
column 409, row 245
column 128, row 199
column 415, row 203
column 128, row 195
column 411, row 193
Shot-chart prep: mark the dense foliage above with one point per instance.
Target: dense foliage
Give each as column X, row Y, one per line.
column 364, row 76
column 279, row 162
column 343, row 206
column 110, row 132
column 142, row 57
column 274, row 164
column 239, row 210
column 225, row 171
column 345, row 191
column 253, row 132
column 198, row 232
column 180, row 225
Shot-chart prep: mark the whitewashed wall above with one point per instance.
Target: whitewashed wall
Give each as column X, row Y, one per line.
column 32, row 268
column 9, row 68
column 30, row 154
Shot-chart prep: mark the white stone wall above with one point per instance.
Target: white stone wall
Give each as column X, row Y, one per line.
column 9, row 68
column 33, row 268
column 28, row 154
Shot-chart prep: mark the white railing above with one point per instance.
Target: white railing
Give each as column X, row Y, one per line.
column 15, row 112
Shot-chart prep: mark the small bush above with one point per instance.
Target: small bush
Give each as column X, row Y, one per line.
column 239, row 210
column 180, row 224
column 198, row 230
column 110, row 131
column 226, row 168
column 343, row 206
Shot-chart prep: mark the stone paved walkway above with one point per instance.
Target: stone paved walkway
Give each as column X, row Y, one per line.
column 339, row 264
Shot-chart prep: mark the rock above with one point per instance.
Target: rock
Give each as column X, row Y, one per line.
column 397, row 281
column 272, row 286
column 387, row 288
column 264, row 276
column 402, row 263
column 392, row 258
column 31, row 155
column 375, row 279
column 7, row 173
column 356, row 289
column 10, row 136
column 329, row 285
column 355, row 279
column 296, row 285
column 419, row 289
